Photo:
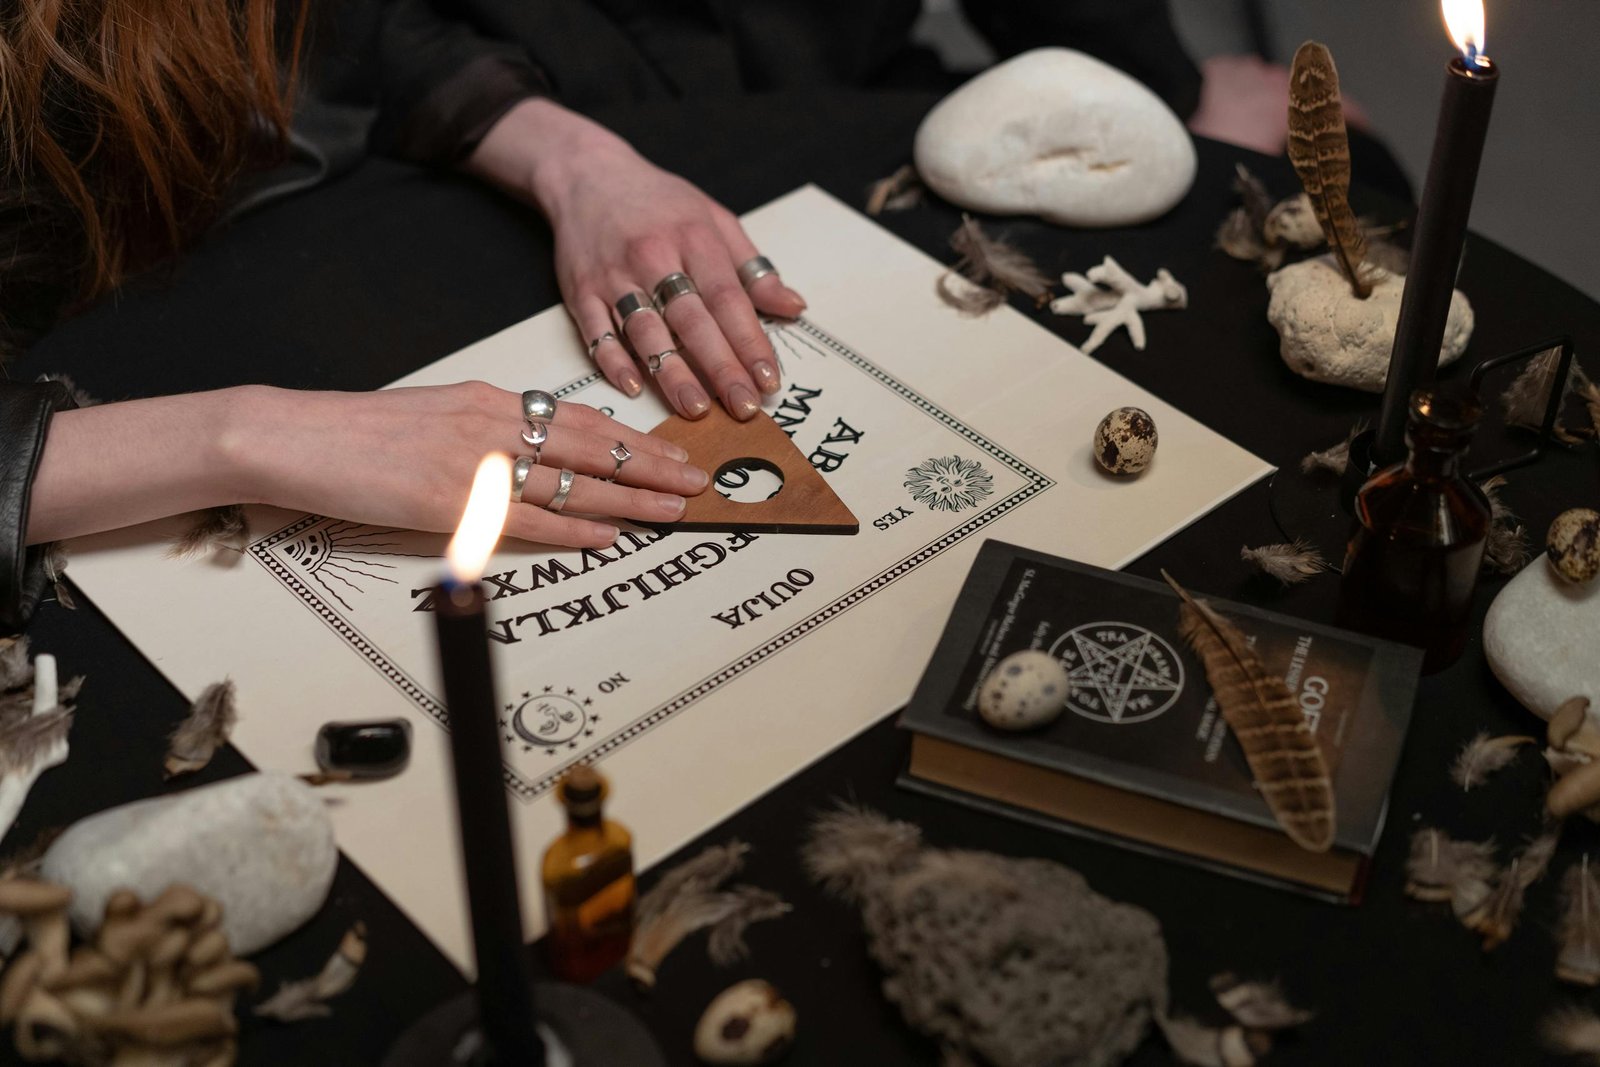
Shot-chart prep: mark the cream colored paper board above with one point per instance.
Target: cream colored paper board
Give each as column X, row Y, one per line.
column 698, row 670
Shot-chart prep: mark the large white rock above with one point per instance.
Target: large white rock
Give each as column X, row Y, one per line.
column 1057, row 133
column 261, row 844
column 1330, row 335
column 1542, row 638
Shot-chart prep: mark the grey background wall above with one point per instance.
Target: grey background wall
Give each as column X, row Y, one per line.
column 1539, row 190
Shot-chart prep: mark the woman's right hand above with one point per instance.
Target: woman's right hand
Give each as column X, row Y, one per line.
column 398, row 457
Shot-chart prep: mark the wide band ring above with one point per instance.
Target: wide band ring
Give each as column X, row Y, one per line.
column 652, row 362
column 754, row 269
column 536, row 434
column 563, row 490
column 519, row 477
column 630, row 305
column 621, row 455
column 673, row 286
column 538, row 406
column 598, row 341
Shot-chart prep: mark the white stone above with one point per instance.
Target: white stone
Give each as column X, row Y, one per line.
column 1329, row 334
column 1059, row 134
column 1542, row 639
column 261, row 844
column 1025, row 690
column 748, row 1023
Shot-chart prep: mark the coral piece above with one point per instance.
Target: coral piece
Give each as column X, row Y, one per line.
column 1108, row 297
column 1290, row 564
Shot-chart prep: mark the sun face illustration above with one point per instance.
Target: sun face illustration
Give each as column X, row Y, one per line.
column 949, row 483
column 347, row 554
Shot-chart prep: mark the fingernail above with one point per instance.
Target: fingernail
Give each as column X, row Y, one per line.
column 631, row 384
column 677, row 453
column 610, row 533
column 798, row 299
column 672, row 505
column 766, row 377
column 693, row 402
column 698, row 478
column 742, row 402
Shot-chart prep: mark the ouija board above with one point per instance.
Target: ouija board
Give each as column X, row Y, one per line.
column 697, row 669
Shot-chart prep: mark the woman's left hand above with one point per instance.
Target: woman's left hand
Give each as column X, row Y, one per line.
column 622, row 225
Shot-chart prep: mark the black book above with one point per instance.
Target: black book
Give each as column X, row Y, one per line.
column 1141, row 754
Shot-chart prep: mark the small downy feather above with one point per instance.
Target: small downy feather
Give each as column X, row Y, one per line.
column 1199, row 1045
column 222, row 527
column 1334, row 460
column 308, row 997
column 25, row 740
column 1506, row 549
column 990, row 263
column 725, row 944
column 1497, row 916
column 1265, row 717
column 901, row 190
column 1572, row 1031
column 1525, row 400
column 1319, row 148
column 1242, row 233
column 209, row 723
column 1578, row 941
column 1483, row 755
column 1590, row 393
column 1441, row 868
column 1290, row 564
column 55, row 572
column 16, row 666
column 1257, row 1005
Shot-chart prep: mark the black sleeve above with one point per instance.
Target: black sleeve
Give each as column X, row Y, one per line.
column 25, row 412
column 1136, row 36
column 443, row 84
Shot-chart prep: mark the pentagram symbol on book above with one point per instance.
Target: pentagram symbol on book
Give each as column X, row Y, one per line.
column 1120, row 673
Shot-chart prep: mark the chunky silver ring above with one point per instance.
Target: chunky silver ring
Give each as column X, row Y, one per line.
column 630, row 305
column 538, row 406
column 621, row 455
column 536, row 434
column 755, row 268
column 519, row 477
column 652, row 362
column 563, row 490
column 673, row 286
column 598, row 341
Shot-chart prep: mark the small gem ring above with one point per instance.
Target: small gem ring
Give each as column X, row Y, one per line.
column 630, row 305
column 563, row 490
column 536, row 434
column 754, row 269
column 538, row 406
column 598, row 341
column 519, row 477
column 673, row 286
column 652, row 362
column 621, row 455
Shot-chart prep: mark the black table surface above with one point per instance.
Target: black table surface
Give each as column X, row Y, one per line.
column 392, row 268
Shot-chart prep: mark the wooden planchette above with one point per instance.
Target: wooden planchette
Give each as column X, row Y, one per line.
column 718, row 442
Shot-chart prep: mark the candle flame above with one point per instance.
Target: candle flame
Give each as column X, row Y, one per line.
column 483, row 519
column 1464, row 19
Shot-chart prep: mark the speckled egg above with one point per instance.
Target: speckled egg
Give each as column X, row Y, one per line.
column 1573, row 544
column 1125, row 441
column 747, row 1023
column 1025, row 690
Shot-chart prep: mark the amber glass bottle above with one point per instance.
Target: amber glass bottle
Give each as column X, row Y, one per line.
column 588, row 883
column 1418, row 542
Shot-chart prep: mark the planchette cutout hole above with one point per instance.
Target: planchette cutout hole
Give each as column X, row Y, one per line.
column 749, row 480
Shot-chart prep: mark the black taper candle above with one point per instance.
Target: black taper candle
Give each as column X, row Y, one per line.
column 1436, row 246
column 505, row 987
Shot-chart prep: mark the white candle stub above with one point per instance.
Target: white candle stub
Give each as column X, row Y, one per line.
column 46, row 686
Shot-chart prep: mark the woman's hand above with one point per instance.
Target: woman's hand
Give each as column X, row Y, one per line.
column 621, row 226
column 399, row 457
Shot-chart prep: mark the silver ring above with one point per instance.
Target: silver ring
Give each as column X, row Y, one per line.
column 563, row 490
column 621, row 455
column 536, row 434
column 673, row 286
column 652, row 362
column 630, row 305
column 519, row 477
column 538, row 406
column 598, row 341
column 755, row 268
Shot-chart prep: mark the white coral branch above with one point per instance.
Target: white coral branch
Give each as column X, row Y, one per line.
column 1107, row 297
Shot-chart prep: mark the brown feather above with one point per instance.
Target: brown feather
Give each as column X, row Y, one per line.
column 1578, row 957
column 1505, row 550
column 1290, row 564
column 1482, row 756
column 24, row 742
column 1528, row 396
column 901, row 190
column 1440, row 868
column 1497, row 915
column 1279, row 746
column 992, row 264
column 222, row 527
column 1334, row 460
column 206, row 729
column 1572, row 1031
column 1319, row 148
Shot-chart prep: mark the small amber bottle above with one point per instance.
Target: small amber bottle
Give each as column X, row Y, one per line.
column 588, row 883
column 1421, row 527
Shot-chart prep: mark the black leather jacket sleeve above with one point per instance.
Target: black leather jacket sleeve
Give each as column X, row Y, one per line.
column 25, row 411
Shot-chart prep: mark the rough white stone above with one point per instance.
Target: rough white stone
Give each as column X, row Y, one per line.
column 1542, row 638
column 261, row 844
column 1330, row 335
column 1025, row 690
column 1059, row 134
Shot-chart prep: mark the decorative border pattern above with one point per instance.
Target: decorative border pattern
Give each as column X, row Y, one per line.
column 808, row 334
